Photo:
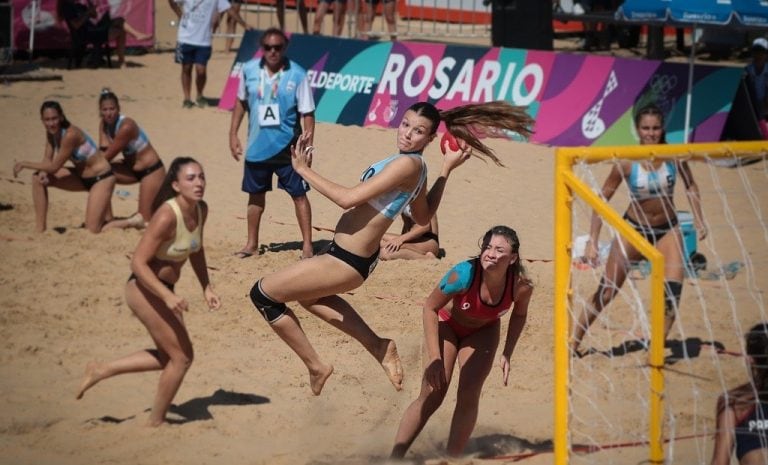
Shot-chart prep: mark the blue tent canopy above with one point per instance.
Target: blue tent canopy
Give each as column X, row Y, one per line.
column 705, row 12
column 701, row 11
column 752, row 12
column 644, row 10
column 720, row 13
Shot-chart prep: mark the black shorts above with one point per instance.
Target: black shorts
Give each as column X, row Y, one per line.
column 90, row 182
column 364, row 266
column 430, row 236
column 652, row 234
column 140, row 174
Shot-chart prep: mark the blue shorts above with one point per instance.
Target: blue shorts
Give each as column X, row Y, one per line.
column 257, row 178
column 187, row 54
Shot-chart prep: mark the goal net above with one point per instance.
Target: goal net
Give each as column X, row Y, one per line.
column 630, row 397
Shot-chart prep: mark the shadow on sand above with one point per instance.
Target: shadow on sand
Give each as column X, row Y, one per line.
column 677, row 349
column 198, row 409
column 293, row 245
column 195, row 409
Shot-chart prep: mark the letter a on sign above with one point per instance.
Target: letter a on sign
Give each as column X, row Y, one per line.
column 269, row 115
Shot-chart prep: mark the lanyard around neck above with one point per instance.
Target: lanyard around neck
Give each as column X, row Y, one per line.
column 273, row 87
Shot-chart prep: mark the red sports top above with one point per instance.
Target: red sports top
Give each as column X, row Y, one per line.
column 470, row 303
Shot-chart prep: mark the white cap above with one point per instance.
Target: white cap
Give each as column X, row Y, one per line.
column 760, row 44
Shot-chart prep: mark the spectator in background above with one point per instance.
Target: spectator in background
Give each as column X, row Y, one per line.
column 109, row 8
column 757, row 81
column 339, row 12
column 197, row 20
column 301, row 8
column 83, row 20
column 366, row 15
column 232, row 14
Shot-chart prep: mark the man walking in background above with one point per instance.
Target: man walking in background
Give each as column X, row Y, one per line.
column 197, row 20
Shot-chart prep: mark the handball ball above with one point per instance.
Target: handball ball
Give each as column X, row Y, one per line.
column 449, row 141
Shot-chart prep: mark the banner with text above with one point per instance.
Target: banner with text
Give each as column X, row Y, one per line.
column 577, row 99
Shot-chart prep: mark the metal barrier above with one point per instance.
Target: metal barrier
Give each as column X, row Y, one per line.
column 414, row 19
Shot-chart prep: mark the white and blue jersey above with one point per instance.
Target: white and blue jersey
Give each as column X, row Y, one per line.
column 392, row 203
column 286, row 93
column 85, row 151
column 644, row 184
column 134, row 146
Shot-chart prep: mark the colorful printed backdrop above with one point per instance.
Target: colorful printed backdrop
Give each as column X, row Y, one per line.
column 576, row 99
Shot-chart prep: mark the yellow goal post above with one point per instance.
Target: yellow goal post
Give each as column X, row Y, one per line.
column 567, row 186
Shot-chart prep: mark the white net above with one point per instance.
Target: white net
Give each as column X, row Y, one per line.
column 721, row 300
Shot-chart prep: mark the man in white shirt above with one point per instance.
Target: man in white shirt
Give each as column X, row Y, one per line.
column 197, row 20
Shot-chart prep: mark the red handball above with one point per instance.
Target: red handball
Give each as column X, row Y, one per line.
column 450, row 141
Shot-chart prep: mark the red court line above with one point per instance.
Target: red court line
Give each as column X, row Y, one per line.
column 3, row 237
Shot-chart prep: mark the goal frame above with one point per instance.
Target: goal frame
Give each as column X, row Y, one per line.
column 567, row 186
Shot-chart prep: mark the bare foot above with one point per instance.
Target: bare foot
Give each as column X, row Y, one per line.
column 154, row 423
column 317, row 380
column 245, row 253
column 391, row 364
column 92, row 376
column 136, row 221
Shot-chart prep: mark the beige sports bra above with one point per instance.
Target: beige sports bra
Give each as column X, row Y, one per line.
column 184, row 242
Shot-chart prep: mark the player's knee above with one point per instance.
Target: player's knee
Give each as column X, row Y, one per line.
column 269, row 309
column 433, row 398
column 672, row 292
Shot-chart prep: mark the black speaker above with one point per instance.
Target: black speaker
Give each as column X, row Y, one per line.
column 523, row 24
column 6, row 32
column 6, row 23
